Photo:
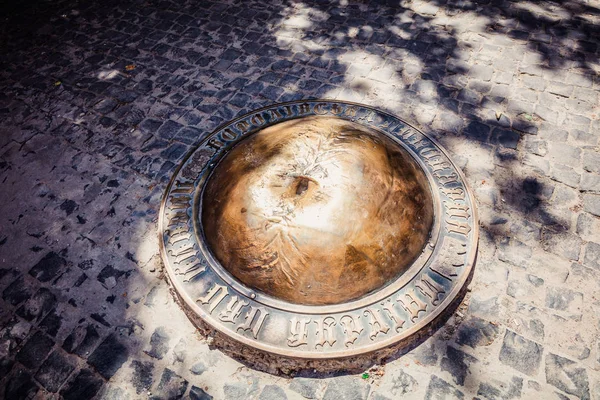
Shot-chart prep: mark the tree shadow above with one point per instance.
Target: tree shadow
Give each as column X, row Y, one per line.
column 137, row 84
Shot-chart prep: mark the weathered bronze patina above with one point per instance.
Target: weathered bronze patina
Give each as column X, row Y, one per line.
column 317, row 210
column 317, row 230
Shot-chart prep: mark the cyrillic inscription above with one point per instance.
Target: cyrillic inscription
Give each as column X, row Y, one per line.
column 298, row 331
column 233, row 310
column 351, row 329
column 377, row 325
column 255, row 318
column 325, row 333
column 388, row 307
column 215, row 295
column 412, row 304
column 431, row 289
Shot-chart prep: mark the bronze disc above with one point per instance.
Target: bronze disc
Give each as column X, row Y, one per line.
column 318, row 229
column 317, row 210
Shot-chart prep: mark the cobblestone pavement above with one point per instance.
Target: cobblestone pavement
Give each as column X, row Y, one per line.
column 100, row 100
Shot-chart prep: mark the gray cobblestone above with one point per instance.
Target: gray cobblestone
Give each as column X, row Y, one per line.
column 591, row 204
column 565, row 375
column 521, row 354
column 100, row 101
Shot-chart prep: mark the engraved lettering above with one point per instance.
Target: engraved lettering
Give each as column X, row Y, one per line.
column 243, row 126
column 428, row 152
column 388, row 306
column 455, row 194
column 351, row 112
column 451, row 258
column 215, row 295
column 369, row 116
column 195, row 270
column 437, row 164
column 446, row 179
column 257, row 119
column 336, row 109
column 228, row 134
column 215, row 143
column 233, row 310
column 182, row 187
column 325, row 332
column 388, row 124
column 303, row 108
column 179, row 202
column 431, row 289
column 421, row 144
column 319, row 109
column 377, row 325
column 183, row 253
column 288, row 110
column 351, row 330
column 412, row 304
column 456, row 210
column 460, row 227
column 398, row 128
column 179, row 234
column 254, row 323
column 298, row 332
column 407, row 134
column 179, row 217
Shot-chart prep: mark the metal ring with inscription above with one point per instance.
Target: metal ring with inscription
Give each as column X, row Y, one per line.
column 318, row 229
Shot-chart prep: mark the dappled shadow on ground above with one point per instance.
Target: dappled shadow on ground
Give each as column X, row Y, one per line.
column 137, row 84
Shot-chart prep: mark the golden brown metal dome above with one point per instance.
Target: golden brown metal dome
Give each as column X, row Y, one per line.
column 317, row 210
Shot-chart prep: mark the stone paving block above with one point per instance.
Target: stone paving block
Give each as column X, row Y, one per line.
column 457, row 363
column 197, row 393
column 591, row 204
column 440, row 389
column 567, row 376
column 52, row 263
column 20, row 386
column 272, row 392
column 171, row 386
column 564, row 174
column 565, row 300
column 35, row 350
column 307, row 388
column 521, row 354
column 514, row 252
column 17, row 292
column 501, row 390
column 142, row 375
column 159, row 343
column 592, row 256
column 109, row 356
column 564, row 154
column 51, row 324
column 563, row 244
column 54, row 371
column 590, row 183
column 37, row 306
column 236, row 391
column 348, row 387
column 477, row 332
column 82, row 340
column 84, row 385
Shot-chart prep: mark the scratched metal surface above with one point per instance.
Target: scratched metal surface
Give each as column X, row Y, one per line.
column 381, row 318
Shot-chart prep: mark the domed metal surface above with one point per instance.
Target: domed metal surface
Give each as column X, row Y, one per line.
column 317, row 210
column 317, row 230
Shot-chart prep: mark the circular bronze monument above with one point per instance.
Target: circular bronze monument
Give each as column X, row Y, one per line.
column 317, row 210
column 317, row 229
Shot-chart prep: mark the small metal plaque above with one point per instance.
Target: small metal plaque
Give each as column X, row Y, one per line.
column 248, row 308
